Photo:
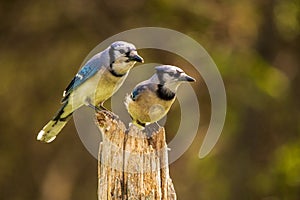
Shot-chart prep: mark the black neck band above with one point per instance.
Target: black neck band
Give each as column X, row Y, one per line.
column 114, row 73
column 164, row 93
column 111, row 55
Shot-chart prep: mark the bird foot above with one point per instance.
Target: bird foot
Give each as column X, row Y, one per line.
column 110, row 114
column 151, row 129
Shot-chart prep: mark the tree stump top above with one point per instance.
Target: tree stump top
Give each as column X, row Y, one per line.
column 132, row 163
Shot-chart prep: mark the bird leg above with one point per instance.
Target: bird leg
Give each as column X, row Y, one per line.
column 88, row 103
column 107, row 112
column 102, row 106
column 94, row 107
column 151, row 128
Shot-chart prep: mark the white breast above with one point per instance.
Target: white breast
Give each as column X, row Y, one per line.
column 97, row 89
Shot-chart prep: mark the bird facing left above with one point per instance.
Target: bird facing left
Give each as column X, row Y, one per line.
column 98, row 79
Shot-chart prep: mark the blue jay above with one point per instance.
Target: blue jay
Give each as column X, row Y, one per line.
column 96, row 81
column 151, row 100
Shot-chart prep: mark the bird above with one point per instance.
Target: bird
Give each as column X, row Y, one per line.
column 151, row 99
column 98, row 79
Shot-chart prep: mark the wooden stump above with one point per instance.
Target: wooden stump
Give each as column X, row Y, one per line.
column 132, row 163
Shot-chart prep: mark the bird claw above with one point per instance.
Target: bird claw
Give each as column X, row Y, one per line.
column 97, row 109
column 102, row 107
column 151, row 129
column 110, row 114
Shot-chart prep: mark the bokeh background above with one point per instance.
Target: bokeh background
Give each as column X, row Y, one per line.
column 255, row 45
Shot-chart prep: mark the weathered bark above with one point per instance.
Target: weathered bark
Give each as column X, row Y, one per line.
column 132, row 163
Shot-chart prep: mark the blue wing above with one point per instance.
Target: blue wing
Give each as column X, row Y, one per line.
column 87, row 71
column 137, row 91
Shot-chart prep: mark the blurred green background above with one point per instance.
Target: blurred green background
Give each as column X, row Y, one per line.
column 254, row 43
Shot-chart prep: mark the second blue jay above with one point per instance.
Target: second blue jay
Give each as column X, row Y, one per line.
column 151, row 100
column 95, row 82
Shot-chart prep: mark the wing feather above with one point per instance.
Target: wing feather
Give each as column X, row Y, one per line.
column 86, row 72
column 142, row 87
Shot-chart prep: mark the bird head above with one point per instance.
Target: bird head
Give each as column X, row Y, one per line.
column 124, row 51
column 123, row 56
column 171, row 76
column 169, row 73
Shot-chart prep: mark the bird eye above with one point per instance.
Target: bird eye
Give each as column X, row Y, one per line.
column 122, row 51
column 171, row 73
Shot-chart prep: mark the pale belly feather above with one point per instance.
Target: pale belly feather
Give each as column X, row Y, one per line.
column 97, row 89
column 148, row 109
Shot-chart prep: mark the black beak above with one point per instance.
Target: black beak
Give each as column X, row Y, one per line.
column 185, row 77
column 133, row 56
column 190, row 79
column 137, row 58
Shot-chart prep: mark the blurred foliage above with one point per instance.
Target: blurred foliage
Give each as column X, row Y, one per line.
column 255, row 45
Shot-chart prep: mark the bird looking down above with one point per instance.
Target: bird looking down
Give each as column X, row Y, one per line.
column 151, row 99
column 98, row 79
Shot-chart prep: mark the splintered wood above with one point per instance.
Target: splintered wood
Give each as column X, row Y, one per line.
column 132, row 164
